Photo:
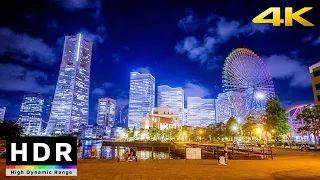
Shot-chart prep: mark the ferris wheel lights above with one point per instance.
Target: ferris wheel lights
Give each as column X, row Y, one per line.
column 259, row 95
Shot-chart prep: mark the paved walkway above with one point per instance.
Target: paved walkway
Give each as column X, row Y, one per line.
column 289, row 164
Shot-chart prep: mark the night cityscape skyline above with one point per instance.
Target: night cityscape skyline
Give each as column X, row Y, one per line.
column 185, row 48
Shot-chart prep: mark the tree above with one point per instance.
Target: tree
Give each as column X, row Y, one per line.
column 217, row 131
column 10, row 129
column 231, row 124
column 249, row 126
column 154, row 133
column 275, row 118
column 311, row 117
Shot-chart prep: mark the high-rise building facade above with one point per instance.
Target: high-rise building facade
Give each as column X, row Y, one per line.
column 2, row 113
column 201, row 112
column 71, row 99
column 141, row 98
column 223, row 107
column 106, row 114
column 315, row 79
column 31, row 113
column 172, row 98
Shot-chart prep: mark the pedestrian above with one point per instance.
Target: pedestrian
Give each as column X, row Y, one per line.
column 79, row 148
column 221, row 159
column 225, row 150
column 125, row 154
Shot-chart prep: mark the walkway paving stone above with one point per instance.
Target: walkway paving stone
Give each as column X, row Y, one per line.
column 292, row 165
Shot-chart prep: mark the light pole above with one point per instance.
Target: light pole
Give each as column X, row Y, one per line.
column 234, row 128
column 200, row 134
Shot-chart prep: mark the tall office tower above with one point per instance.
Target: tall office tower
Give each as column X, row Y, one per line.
column 106, row 114
column 201, row 112
column 31, row 113
column 223, row 107
column 185, row 117
column 172, row 98
column 2, row 113
column 141, row 98
column 315, row 80
column 71, row 99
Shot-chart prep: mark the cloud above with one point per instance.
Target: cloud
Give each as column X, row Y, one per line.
column 17, row 78
column 143, row 70
column 307, row 38
column 316, row 41
column 285, row 67
column 25, row 48
column 123, row 97
column 198, row 51
column 190, row 22
column 289, row 103
column 101, row 91
column 311, row 38
column 74, row 5
column 98, row 37
column 195, row 89
column 218, row 31
column 115, row 57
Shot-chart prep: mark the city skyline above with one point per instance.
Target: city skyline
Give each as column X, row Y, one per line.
column 155, row 42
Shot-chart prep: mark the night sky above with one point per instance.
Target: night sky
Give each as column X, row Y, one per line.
column 181, row 43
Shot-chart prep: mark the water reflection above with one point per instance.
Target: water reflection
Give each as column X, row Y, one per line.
column 110, row 152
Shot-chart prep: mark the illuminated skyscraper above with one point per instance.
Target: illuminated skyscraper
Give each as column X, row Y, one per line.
column 172, row 98
column 201, row 112
column 223, row 107
column 31, row 113
column 141, row 98
column 71, row 99
column 106, row 114
column 2, row 113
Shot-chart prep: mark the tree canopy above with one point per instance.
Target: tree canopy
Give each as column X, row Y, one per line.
column 275, row 118
column 311, row 117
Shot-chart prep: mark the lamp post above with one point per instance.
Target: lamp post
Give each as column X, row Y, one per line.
column 201, row 132
column 234, row 128
column 184, row 133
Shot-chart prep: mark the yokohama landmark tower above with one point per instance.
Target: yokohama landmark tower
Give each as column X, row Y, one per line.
column 71, row 99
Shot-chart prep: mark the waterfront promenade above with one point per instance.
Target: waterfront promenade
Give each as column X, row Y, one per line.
column 288, row 164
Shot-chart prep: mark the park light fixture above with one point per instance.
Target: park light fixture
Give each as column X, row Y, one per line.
column 259, row 130
column 201, row 131
column 272, row 131
column 184, row 133
column 238, row 119
column 259, row 95
column 234, row 128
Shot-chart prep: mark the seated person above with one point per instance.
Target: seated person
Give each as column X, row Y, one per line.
column 132, row 153
column 126, row 154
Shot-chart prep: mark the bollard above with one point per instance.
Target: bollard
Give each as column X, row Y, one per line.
column 248, row 153
column 152, row 152
column 101, row 152
column 271, row 153
column 232, row 152
column 264, row 156
column 118, row 152
column 83, row 152
column 169, row 152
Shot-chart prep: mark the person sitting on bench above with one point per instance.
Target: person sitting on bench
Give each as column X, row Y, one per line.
column 132, row 154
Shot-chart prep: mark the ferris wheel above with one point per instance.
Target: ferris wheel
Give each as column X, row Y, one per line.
column 247, row 78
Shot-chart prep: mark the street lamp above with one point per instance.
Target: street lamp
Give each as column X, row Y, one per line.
column 234, row 128
column 259, row 131
column 201, row 132
column 184, row 133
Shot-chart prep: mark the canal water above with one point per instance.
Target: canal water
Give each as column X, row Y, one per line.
column 110, row 152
